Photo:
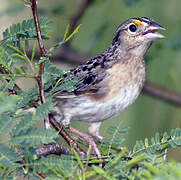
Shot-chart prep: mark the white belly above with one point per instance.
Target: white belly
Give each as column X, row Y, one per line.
column 91, row 111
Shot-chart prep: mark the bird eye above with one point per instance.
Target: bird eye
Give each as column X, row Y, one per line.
column 133, row 28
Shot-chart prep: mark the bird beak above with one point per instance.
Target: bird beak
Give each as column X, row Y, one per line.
column 151, row 31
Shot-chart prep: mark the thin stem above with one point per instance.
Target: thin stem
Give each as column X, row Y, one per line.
column 43, row 54
column 65, row 135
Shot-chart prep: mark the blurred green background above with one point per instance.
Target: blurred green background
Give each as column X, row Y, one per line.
column 99, row 22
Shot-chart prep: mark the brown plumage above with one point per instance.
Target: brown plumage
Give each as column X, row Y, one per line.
column 111, row 81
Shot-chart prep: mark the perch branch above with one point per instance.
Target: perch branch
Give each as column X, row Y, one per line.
column 59, row 128
column 49, row 149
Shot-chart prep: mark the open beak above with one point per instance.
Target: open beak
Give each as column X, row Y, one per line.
column 151, row 31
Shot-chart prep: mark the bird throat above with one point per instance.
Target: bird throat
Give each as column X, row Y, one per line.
column 140, row 49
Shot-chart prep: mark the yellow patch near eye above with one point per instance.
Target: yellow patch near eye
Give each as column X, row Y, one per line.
column 138, row 23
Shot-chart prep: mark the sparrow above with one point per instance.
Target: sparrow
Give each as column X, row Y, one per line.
column 110, row 82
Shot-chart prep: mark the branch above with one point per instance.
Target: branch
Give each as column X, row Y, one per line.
column 162, row 93
column 35, row 16
column 42, row 49
column 49, row 149
column 43, row 54
column 65, row 135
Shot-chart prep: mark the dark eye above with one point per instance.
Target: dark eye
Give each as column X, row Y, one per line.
column 132, row 28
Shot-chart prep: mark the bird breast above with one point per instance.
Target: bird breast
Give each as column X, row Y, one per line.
column 122, row 84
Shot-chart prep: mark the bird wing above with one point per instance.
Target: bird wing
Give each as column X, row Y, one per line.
column 92, row 75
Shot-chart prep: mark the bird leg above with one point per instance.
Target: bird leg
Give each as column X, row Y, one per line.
column 94, row 130
column 88, row 139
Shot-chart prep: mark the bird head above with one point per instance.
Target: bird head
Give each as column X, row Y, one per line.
column 137, row 33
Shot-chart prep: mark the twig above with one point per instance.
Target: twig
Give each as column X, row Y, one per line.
column 49, row 149
column 43, row 54
column 65, row 135
column 35, row 16
column 162, row 94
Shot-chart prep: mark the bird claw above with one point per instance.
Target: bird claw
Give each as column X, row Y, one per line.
column 89, row 140
column 99, row 138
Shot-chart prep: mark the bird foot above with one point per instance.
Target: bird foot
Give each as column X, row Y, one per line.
column 88, row 139
column 99, row 138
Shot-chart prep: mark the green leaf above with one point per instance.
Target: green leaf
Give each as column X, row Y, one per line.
column 8, row 158
column 90, row 174
column 5, row 124
column 15, row 49
column 43, row 110
column 158, row 144
column 24, row 125
column 66, row 32
column 26, row 29
column 135, row 160
column 22, row 57
column 58, row 166
column 73, row 33
column 8, row 103
column 115, row 161
column 103, row 173
column 35, row 137
column 78, row 158
column 55, row 47
column 33, row 51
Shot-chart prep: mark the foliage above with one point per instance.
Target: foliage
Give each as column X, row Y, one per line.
column 22, row 134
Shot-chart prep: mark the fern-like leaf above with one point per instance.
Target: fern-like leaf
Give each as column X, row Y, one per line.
column 43, row 110
column 23, row 126
column 26, row 30
column 55, row 167
column 158, row 143
column 16, row 33
column 35, row 137
column 8, row 158
column 7, row 103
column 5, row 124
